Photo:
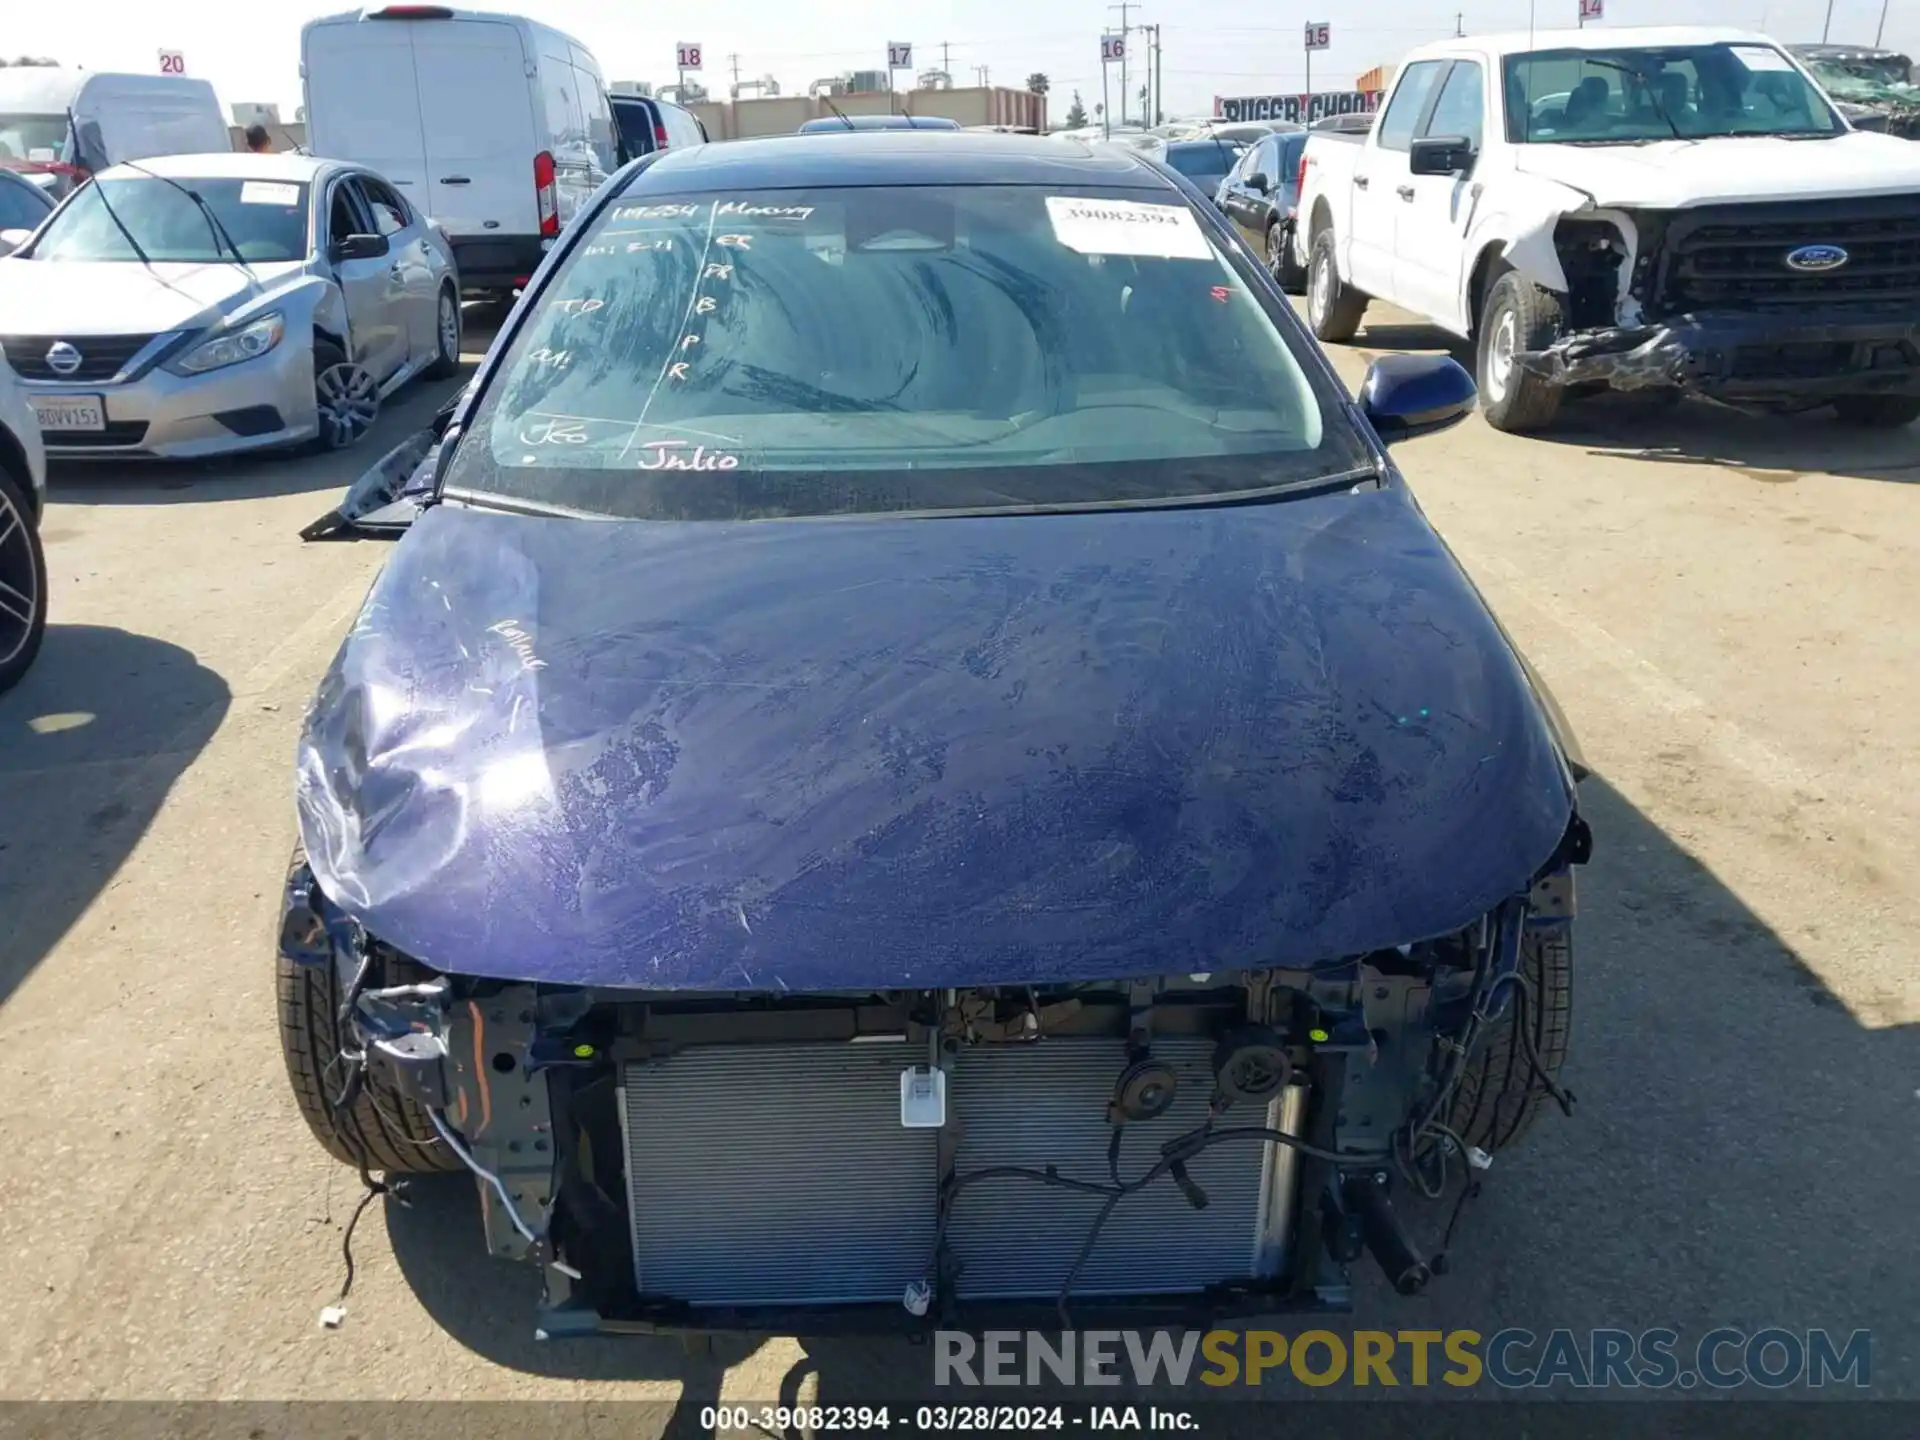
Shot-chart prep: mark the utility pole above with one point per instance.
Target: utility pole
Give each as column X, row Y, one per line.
column 1123, row 7
column 946, row 60
column 734, row 60
column 1159, row 95
column 1459, row 20
column 981, row 71
column 1829, row 23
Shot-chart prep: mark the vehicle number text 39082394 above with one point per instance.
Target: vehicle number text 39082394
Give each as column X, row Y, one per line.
column 864, row 1419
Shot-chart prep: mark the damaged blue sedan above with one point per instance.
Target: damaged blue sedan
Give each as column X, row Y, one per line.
column 917, row 764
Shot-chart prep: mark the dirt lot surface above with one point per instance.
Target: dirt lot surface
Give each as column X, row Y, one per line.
column 1725, row 608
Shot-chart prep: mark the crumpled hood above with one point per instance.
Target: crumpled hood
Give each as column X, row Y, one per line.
column 75, row 298
column 1674, row 174
column 867, row 753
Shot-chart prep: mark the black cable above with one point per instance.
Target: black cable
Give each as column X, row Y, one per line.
column 1562, row 1097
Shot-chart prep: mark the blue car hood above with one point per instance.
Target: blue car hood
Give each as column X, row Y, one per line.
column 885, row 752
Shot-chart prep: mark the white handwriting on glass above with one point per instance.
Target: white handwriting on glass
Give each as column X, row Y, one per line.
column 559, row 359
column 772, row 212
column 520, row 642
column 577, row 307
column 736, row 242
column 718, row 272
column 665, row 455
column 549, row 431
column 651, row 212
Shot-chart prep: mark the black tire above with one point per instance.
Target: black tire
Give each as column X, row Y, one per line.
column 327, row 357
column 1500, row 1092
column 1517, row 315
column 1287, row 273
column 446, row 363
column 382, row 1128
column 23, row 580
column 1878, row 412
column 1334, row 308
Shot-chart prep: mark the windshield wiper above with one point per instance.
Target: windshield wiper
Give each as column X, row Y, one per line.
column 1653, row 93
column 836, row 110
column 220, row 235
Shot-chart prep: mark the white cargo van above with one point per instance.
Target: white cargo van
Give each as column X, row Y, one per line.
column 57, row 125
column 495, row 126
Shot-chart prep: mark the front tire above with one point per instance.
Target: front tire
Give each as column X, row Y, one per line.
column 1334, row 308
column 1878, row 412
column 346, row 398
column 446, row 334
column 1501, row 1091
column 23, row 581
column 1286, row 271
column 1518, row 316
column 382, row 1129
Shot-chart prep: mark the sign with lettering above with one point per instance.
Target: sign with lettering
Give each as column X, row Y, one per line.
column 1298, row 109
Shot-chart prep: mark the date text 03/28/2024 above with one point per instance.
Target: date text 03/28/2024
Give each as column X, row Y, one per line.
column 947, row 1419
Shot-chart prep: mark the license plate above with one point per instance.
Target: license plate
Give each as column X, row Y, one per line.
column 70, row 412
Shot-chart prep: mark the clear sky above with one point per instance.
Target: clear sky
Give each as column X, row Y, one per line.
column 251, row 51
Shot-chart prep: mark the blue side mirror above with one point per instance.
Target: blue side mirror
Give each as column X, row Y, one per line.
column 1409, row 395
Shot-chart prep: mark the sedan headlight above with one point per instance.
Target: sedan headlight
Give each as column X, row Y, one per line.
column 249, row 342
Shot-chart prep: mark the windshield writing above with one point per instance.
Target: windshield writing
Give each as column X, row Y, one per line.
column 834, row 351
column 267, row 221
column 1686, row 92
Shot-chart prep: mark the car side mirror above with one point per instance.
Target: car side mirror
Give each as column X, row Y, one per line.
column 359, row 247
column 12, row 240
column 1258, row 181
column 1407, row 395
column 1441, row 155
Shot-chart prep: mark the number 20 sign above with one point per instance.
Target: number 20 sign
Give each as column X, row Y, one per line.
column 172, row 62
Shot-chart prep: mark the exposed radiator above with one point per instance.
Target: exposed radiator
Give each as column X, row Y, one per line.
column 781, row 1175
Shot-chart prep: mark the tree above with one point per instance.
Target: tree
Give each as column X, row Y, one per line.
column 1038, row 83
column 1076, row 113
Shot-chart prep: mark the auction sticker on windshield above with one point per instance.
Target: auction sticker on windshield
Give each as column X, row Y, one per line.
column 1126, row 227
column 269, row 192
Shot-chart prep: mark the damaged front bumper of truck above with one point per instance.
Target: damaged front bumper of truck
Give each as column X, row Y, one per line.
column 1793, row 359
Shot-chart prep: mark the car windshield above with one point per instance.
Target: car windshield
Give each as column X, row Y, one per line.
column 21, row 135
column 837, row 351
column 1204, row 163
column 1614, row 97
column 267, row 220
column 1867, row 80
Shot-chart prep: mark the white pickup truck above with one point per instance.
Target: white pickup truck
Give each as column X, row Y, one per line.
column 1671, row 209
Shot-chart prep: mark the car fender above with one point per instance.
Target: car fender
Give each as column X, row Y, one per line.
column 1519, row 226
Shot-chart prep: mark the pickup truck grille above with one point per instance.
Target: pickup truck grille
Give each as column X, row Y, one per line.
column 1734, row 257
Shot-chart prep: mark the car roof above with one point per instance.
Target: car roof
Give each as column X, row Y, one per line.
column 900, row 157
column 1204, row 142
column 231, row 165
column 827, row 124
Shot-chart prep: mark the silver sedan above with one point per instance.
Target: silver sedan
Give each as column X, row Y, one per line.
column 198, row 305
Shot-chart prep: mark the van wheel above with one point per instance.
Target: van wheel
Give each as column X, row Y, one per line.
column 346, row 401
column 446, row 334
column 23, row 581
column 1287, row 273
column 1518, row 316
column 1334, row 308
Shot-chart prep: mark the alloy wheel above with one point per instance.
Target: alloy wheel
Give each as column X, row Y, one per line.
column 19, row 581
column 449, row 328
column 346, row 402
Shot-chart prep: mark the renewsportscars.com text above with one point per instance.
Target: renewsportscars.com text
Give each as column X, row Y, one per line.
column 1771, row 1358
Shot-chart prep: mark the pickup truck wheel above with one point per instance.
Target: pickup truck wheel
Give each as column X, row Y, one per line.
column 1878, row 412
column 1518, row 316
column 1287, row 273
column 1501, row 1089
column 23, row 580
column 382, row 1128
column 1334, row 308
